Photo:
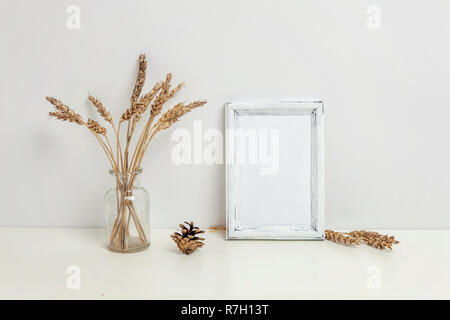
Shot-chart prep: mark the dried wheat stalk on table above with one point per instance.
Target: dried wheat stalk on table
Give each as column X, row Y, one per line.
column 356, row 237
column 118, row 155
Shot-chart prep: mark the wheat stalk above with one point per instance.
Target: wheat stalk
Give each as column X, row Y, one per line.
column 101, row 110
column 164, row 95
column 96, row 127
column 144, row 101
column 63, row 112
column 374, row 239
column 133, row 110
column 341, row 238
column 161, row 98
column 140, row 79
column 166, row 120
column 174, row 114
column 356, row 237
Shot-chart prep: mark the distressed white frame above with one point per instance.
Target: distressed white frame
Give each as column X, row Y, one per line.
column 316, row 230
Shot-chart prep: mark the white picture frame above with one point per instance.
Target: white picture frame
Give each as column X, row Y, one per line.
column 289, row 205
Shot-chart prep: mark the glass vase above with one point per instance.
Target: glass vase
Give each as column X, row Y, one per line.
column 127, row 209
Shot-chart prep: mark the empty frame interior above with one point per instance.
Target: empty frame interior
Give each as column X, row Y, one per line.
column 273, row 171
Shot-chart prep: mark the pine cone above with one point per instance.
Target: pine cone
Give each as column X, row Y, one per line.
column 188, row 241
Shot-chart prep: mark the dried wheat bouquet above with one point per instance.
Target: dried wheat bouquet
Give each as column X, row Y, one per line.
column 119, row 153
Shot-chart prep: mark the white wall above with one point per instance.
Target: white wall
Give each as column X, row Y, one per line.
column 386, row 94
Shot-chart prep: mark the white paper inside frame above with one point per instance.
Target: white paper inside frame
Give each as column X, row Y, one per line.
column 275, row 163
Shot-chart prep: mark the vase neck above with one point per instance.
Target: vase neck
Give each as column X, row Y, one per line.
column 127, row 180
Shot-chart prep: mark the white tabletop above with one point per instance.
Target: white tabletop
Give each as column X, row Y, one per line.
column 34, row 264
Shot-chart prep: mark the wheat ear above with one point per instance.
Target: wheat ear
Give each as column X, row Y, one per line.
column 374, row 239
column 140, row 79
column 132, row 111
column 144, row 101
column 101, row 110
column 341, row 238
column 166, row 120
column 63, row 112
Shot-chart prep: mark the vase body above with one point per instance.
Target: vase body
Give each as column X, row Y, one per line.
column 127, row 210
